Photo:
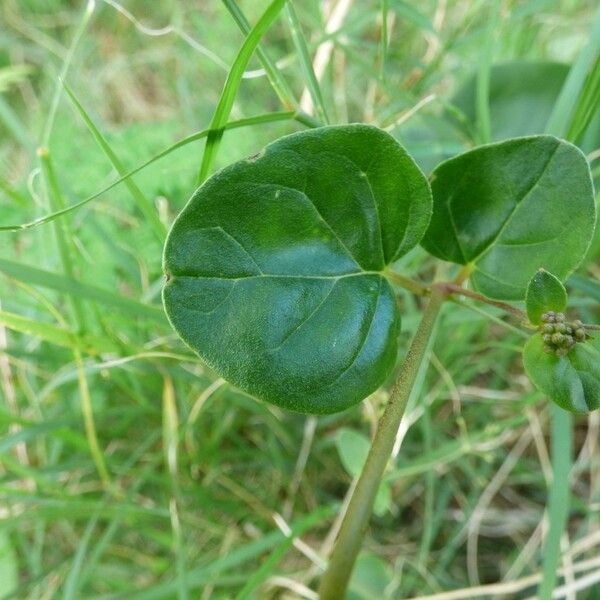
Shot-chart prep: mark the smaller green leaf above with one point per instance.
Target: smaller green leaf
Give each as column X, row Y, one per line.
column 383, row 500
column 510, row 208
column 572, row 381
column 370, row 579
column 545, row 293
column 353, row 448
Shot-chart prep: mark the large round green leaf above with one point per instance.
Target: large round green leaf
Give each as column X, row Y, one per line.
column 572, row 381
column 512, row 208
column 275, row 266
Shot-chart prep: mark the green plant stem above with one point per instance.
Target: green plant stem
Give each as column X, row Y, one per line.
column 335, row 580
column 452, row 288
column 307, row 120
column 464, row 273
column 421, row 289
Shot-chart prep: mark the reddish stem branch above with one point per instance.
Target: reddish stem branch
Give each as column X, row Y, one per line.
column 452, row 288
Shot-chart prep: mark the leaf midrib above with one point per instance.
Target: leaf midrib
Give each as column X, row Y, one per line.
column 303, row 194
column 516, row 206
column 173, row 277
column 372, row 194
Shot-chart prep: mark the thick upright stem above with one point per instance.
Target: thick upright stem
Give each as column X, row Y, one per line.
column 335, row 580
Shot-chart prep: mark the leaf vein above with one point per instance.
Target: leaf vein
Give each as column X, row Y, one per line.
column 238, row 243
column 306, row 319
column 274, row 276
column 546, row 241
column 518, row 203
column 363, row 341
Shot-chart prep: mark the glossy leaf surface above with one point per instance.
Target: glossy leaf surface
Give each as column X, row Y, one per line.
column 544, row 293
column 275, row 266
column 511, row 208
column 572, row 381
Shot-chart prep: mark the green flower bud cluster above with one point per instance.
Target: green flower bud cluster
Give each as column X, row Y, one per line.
column 560, row 336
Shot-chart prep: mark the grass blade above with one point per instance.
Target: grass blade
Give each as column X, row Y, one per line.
column 384, row 37
column 72, row 287
column 143, row 204
column 560, row 495
column 569, row 95
column 56, row 335
column 484, row 125
column 305, row 62
column 15, row 196
column 587, row 104
column 233, row 559
column 257, row 120
column 67, row 251
column 83, row 23
column 15, row 126
column 266, row 569
column 170, row 431
column 89, row 422
column 232, row 84
column 278, row 82
column 63, row 232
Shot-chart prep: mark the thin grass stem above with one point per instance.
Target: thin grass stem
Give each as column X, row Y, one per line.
column 305, row 62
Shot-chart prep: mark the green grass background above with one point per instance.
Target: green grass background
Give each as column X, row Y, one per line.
column 127, row 468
